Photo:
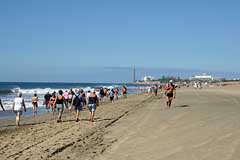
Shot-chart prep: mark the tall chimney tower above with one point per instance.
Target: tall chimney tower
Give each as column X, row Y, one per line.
column 134, row 75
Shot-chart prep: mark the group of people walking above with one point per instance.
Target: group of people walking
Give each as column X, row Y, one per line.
column 71, row 100
column 77, row 100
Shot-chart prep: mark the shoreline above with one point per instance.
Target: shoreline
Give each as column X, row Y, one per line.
column 9, row 114
column 8, row 117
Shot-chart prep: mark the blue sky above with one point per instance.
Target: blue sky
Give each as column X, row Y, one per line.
column 49, row 40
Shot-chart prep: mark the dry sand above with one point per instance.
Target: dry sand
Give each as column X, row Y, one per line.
column 201, row 125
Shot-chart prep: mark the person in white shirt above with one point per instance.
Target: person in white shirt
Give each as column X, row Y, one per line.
column 18, row 107
column 88, row 94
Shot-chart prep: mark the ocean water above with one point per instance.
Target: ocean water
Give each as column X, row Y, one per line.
column 8, row 90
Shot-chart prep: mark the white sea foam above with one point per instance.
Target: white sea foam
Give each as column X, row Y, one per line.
column 34, row 90
column 42, row 91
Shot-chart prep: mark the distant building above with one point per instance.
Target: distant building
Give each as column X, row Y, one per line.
column 203, row 77
column 148, row 78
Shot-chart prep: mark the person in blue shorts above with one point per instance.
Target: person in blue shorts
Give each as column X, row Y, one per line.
column 92, row 104
column 77, row 103
column 59, row 103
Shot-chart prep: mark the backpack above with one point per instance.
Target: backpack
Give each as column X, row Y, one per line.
column 102, row 92
column 77, row 100
column 111, row 93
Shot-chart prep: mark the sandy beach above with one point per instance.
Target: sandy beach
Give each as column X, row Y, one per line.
column 201, row 125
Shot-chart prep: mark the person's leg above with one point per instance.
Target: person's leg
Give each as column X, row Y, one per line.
column 167, row 101
column 66, row 103
column 47, row 106
column 170, row 102
column 33, row 109
column 77, row 115
column 90, row 112
column 36, row 107
column 17, row 118
column 93, row 112
column 89, row 115
column 68, row 106
column 53, row 109
column 92, row 117
column 60, row 111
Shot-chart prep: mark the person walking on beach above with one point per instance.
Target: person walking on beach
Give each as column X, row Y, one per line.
column 65, row 95
column 35, row 103
column 111, row 95
column 47, row 100
column 101, row 92
column 155, row 90
column 77, row 103
column 105, row 94
column 116, row 93
column 70, row 97
column 52, row 101
column 88, row 94
column 84, row 99
column 59, row 103
column 1, row 105
column 124, row 92
column 170, row 92
column 92, row 104
column 18, row 107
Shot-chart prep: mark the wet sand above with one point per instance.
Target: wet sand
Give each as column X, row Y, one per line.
column 202, row 124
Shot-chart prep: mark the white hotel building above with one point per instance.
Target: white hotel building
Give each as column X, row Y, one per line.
column 203, row 77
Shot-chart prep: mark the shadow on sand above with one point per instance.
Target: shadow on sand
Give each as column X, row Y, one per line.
column 23, row 125
column 85, row 119
column 182, row 106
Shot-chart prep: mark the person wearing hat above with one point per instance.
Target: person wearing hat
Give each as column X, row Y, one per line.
column 18, row 107
column 170, row 93
column 92, row 104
